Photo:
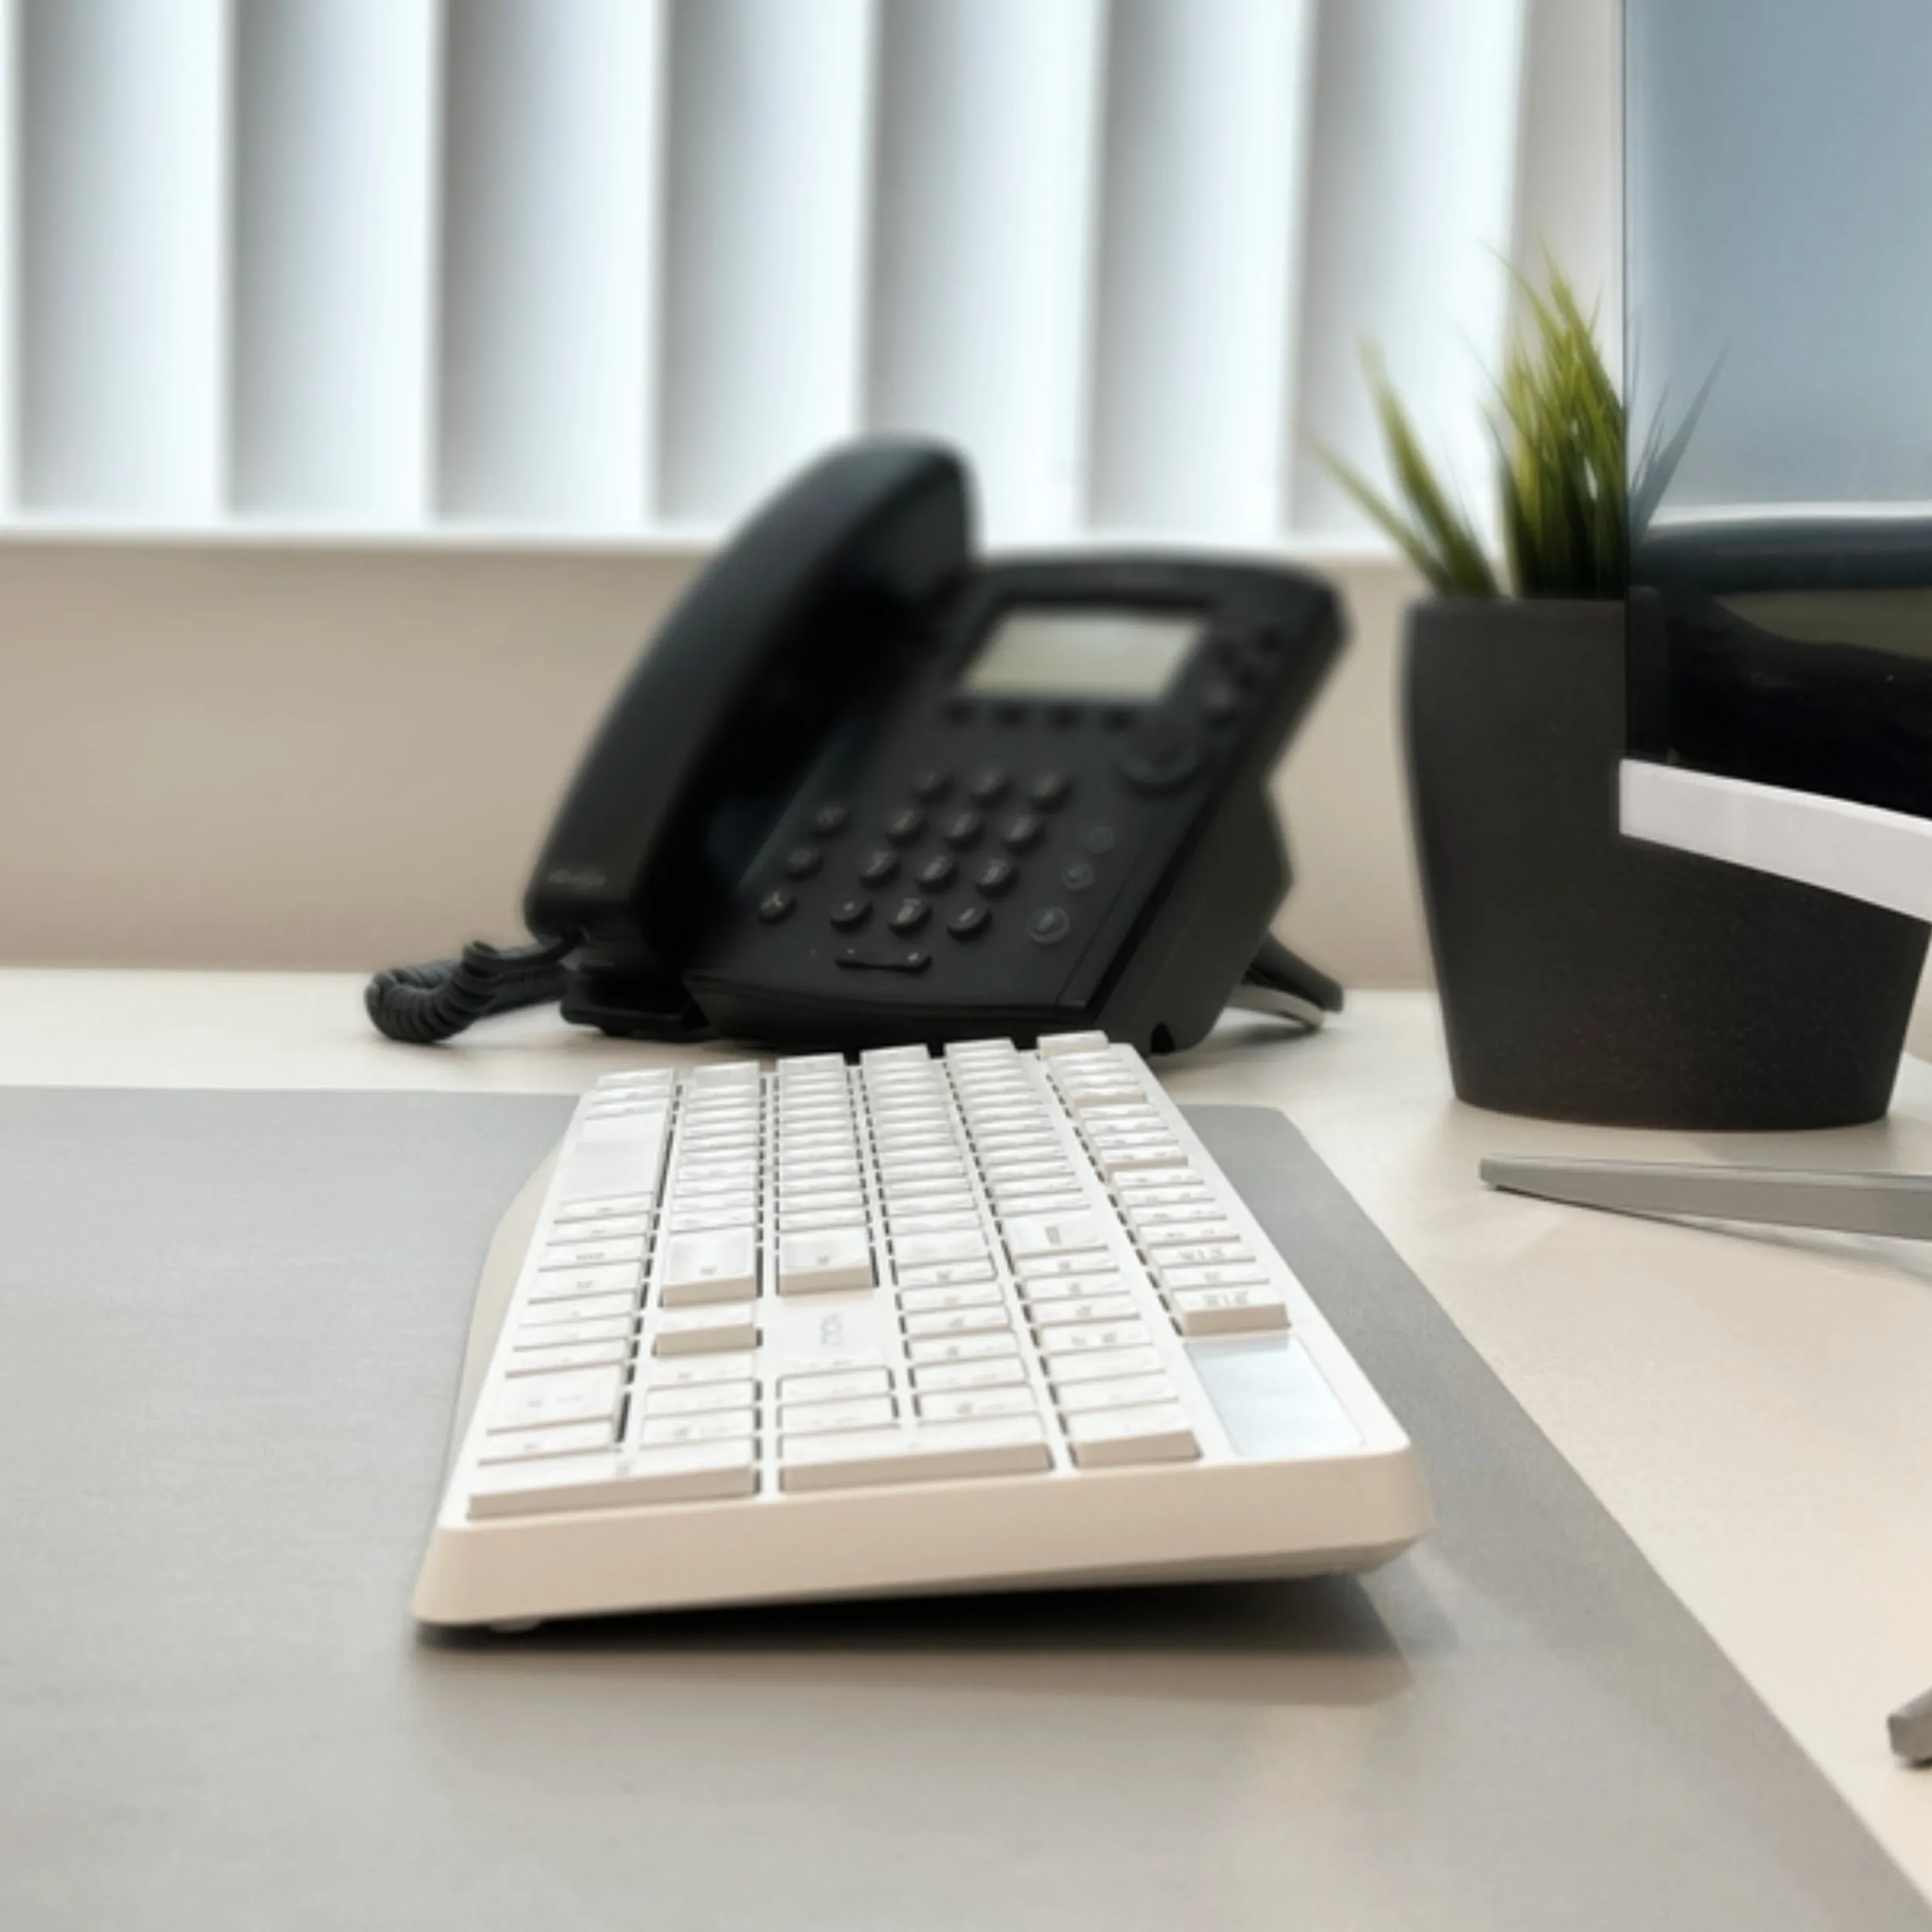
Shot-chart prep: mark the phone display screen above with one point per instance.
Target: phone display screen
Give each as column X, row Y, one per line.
column 1056, row 651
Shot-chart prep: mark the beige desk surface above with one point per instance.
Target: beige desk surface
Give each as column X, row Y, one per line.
column 1755, row 1410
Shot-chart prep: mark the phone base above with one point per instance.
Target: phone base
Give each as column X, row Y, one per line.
column 632, row 1003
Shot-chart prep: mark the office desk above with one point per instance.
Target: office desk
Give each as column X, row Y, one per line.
column 1755, row 1410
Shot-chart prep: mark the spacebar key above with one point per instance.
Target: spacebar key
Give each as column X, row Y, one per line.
column 1000, row 1446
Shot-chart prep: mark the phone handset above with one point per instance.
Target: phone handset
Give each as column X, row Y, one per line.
column 735, row 691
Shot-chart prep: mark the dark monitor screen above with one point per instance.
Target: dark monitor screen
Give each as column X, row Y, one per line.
column 1778, row 365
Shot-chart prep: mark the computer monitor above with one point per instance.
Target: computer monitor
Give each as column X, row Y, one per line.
column 1778, row 370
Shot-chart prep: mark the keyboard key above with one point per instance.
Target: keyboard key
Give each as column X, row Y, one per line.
column 541, row 1401
column 1091, row 1337
column 1064, row 1234
column 1240, row 1310
column 960, row 1320
column 697, row 1268
column 1110, row 1438
column 570, row 1334
column 625, row 1278
column 568, row 1439
column 705, row 1330
column 590, row 1254
column 969, row 1405
column 558, row 1361
column 1098, row 1308
column 536, row 1316
column 979, row 1294
column 1040, row 1289
column 689, row 1473
column 1124, row 1160
column 819, row 1418
column 717, row 1425
column 918, row 1250
column 700, row 1398
column 1186, row 1234
column 612, row 1227
column 844, row 1385
column 937, row 1376
column 599, row 1210
column 934, row 1452
column 1114, row 1391
column 827, row 1258
column 696, row 1372
column 1234, row 1274
column 1169, row 1262
column 1066, row 1371
column 962, row 1347
column 1047, row 1267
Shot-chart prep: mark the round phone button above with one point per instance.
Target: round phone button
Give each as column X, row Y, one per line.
column 1049, row 790
column 1078, row 876
column 909, row 915
column 996, row 876
column 881, row 868
column 804, row 862
column 988, row 785
column 776, row 905
column 1162, row 758
column 962, row 829
column 938, row 872
column 850, row 914
column 830, row 820
column 969, row 922
column 929, row 785
column 1098, row 839
column 1024, row 833
column 904, row 827
column 1050, row 926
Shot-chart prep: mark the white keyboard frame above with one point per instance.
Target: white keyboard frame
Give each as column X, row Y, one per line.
column 1226, row 1514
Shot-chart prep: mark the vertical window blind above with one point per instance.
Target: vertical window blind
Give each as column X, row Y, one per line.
column 604, row 270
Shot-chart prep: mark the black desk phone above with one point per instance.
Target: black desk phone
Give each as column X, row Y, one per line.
column 862, row 789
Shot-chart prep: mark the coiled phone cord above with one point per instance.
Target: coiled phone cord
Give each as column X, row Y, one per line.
column 421, row 1005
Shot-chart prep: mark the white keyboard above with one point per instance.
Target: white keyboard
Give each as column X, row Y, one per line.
column 985, row 1321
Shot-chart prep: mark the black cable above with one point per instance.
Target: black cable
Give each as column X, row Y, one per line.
column 421, row 1005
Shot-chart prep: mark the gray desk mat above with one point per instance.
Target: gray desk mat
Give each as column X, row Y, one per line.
column 232, row 1324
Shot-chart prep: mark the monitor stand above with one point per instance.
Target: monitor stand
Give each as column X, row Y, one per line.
column 1899, row 1205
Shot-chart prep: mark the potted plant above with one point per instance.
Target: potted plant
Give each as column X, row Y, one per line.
column 1585, row 977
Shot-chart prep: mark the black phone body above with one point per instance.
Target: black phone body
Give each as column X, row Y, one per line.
column 864, row 789
column 1025, row 838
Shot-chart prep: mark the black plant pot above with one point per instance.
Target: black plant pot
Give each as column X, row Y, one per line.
column 1585, row 977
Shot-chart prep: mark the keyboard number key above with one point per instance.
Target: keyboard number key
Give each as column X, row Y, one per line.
column 1235, row 1311
column 1110, row 1438
column 824, row 1259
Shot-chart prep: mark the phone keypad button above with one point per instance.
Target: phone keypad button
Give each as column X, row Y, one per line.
column 830, row 820
column 776, row 905
column 876, row 959
column 1078, row 876
column 850, row 914
column 880, row 868
column 1049, row 790
column 929, row 785
column 1048, row 926
column 909, row 915
column 1098, row 839
column 988, row 785
column 962, row 830
column 1024, row 832
column 969, row 922
column 804, row 862
column 997, row 876
column 938, row 871
column 904, row 827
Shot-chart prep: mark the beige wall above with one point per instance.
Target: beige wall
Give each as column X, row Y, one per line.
column 334, row 758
